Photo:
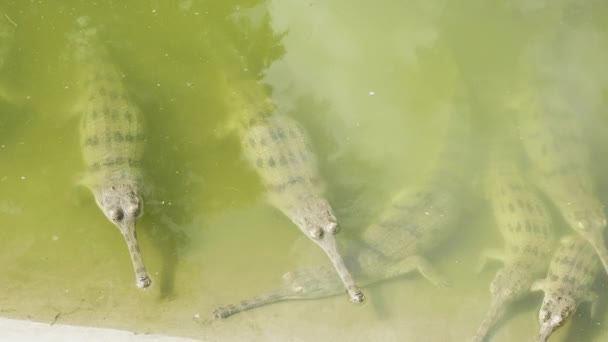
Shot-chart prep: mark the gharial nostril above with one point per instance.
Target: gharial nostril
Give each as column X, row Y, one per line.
column 358, row 298
column 144, row 282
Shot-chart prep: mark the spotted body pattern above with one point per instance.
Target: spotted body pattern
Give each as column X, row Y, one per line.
column 526, row 227
column 420, row 217
column 111, row 140
column 415, row 221
column 572, row 272
column 554, row 141
column 280, row 151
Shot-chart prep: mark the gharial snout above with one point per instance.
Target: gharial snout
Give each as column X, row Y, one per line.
column 357, row 298
column 545, row 331
column 143, row 282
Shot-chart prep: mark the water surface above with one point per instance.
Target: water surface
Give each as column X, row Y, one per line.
column 373, row 84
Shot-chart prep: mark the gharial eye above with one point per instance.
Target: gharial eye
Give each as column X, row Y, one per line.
column 138, row 212
column 118, row 215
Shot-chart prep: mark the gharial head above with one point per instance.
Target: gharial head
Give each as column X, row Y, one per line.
column 316, row 218
column 554, row 312
column 121, row 203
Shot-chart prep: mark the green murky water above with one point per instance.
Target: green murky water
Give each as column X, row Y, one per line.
column 371, row 82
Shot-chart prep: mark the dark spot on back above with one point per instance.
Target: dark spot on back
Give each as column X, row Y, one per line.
column 91, row 141
column 280, row 134
column 118, row 136
column 273, row 135
column 283, row 160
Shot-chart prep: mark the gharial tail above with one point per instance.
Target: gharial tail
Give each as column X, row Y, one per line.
column 492, row 316
column 309, row 284
column 266, row 299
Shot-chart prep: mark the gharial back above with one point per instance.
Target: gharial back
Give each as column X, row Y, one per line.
column 553, row 136
column 111, row 126
column 111, row 129
column 574, row 267
column 554, row 139
column 415, row 220
column 281, row 152
column 423, row 215
column 520, row 213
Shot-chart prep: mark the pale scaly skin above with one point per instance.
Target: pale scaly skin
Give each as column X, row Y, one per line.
column 555, row 143
column 417, row 220
column 526, row 228
column 420, row 217
column 279, row 150
column 572, row 272
column 111, row 140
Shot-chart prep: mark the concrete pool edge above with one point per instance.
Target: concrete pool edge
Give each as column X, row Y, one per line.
column 12, row 330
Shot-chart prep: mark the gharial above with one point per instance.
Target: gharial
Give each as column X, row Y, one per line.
column 279, row 149
column 111, row 138
column 415, row 222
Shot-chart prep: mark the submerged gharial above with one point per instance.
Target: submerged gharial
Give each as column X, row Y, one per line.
column 572, row 272
column 525, row 225
column 553, row 137
column 279, row 149
column 413, row 223
column 111, row 140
